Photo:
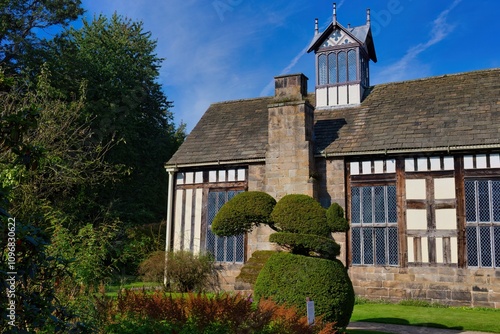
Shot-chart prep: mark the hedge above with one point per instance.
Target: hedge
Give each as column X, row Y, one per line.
column 241, row 213
column 300, row 214
column 289, row 279
column 335, row 218
column 303, row 244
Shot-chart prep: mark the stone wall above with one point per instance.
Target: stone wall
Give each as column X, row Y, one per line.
column 445, row 285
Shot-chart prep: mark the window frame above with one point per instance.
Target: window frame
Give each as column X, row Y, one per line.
column 324, row 71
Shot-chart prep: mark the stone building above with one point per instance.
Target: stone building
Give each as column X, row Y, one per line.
column 416, row 165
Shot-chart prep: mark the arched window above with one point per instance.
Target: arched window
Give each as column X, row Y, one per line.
column 322, row 70
column 351, row 61
column 332, row 68
column 342, row 65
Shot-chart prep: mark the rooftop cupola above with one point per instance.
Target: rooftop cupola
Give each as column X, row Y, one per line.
column 342, row 62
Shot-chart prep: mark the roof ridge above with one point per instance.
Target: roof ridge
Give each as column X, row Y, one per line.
column 438, row 76
column 244, row 100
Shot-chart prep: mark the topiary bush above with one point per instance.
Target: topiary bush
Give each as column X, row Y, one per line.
column 300, row 214
column 244, row 211
column 289, row 278
column 335, row 218
column 304, row 244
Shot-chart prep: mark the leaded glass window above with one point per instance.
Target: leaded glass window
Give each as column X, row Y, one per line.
column 332, row 68
column 322, row 70
column 351, row 61
column 374, row 232
column 224, row 249
column 342, row 64
column 482, row 212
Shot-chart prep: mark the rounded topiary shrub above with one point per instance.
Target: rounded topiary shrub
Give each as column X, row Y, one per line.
column 241, row 213
column 289, row 278
column 300, row 214
column 335, row 218
column 304, row 244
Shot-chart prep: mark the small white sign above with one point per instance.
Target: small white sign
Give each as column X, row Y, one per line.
column 310, row 312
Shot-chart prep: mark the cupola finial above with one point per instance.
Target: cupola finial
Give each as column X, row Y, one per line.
column 368, row 21
column 316, row 29
column 334, row 13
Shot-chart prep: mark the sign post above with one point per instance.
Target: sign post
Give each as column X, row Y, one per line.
column 310, row 311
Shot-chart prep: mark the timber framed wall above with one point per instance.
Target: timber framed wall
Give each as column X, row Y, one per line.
column 446, row 211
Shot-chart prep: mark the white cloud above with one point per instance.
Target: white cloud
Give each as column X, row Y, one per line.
column 408, row 65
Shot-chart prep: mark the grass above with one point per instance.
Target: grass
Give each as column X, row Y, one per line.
column 112, row 290
column 480, row 319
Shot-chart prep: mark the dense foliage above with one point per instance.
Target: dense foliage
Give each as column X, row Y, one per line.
column 288, row 278
column 335, row 218
column 192, row 314
column 304, row 244
column 300, row 214
column 184, row 272
column 244, row 211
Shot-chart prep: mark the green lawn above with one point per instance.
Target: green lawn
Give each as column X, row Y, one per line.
column 484, row 320
column 112, row 290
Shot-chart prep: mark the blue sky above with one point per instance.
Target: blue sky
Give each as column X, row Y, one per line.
column 220, row 50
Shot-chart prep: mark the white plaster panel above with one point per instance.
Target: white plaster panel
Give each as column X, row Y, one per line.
column 390, row 165
column 409, row 165
column 415, row 189
column 179, row 178
column 444, row 188
column 188, row 212
column 425, row 250
column 222, row 176
column 231, row 175
column 189, row 178
column 435, row 163
column 241, row 175
column 422, row 164
column 354, row 94
column 495, row 160
column 449, row 163
column 212, row 176
column 454, row 249
column 354, row 168
column 446, row 219
column 198, row 178
column 332, row 96
column 411, row 255
column 367, row 167
column 481, row 161
column 439, row 250
column 342, row 95
column 321, row 100
column 469, row 162
column 197, row 221
column 416, row 219
column 379, row 166
column 177, row 233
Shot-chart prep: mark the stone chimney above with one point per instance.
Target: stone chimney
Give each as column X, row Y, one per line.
column 289, row 155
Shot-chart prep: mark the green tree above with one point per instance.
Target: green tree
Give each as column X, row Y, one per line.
column 126, row 104
column 22, row 23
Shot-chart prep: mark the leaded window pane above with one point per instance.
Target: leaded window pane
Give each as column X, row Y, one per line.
column 240, row 248
column 379, row 199
column 392, row 212
column 356, row 245
column 366, row 201
column 367, row 245
column 342, row 64
column 380, row 246
column 332, row 68
column 483, row 201
column 470, row 201
column 485, row 237
column 496, row 246
column 351, row 55
column 393, row 246
column 355, row 205
column 322, row 69
column 495, row 195
column 472, row 251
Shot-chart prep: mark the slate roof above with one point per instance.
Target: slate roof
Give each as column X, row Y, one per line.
column 233, row 130
column 438, row 113
column 451, row 111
